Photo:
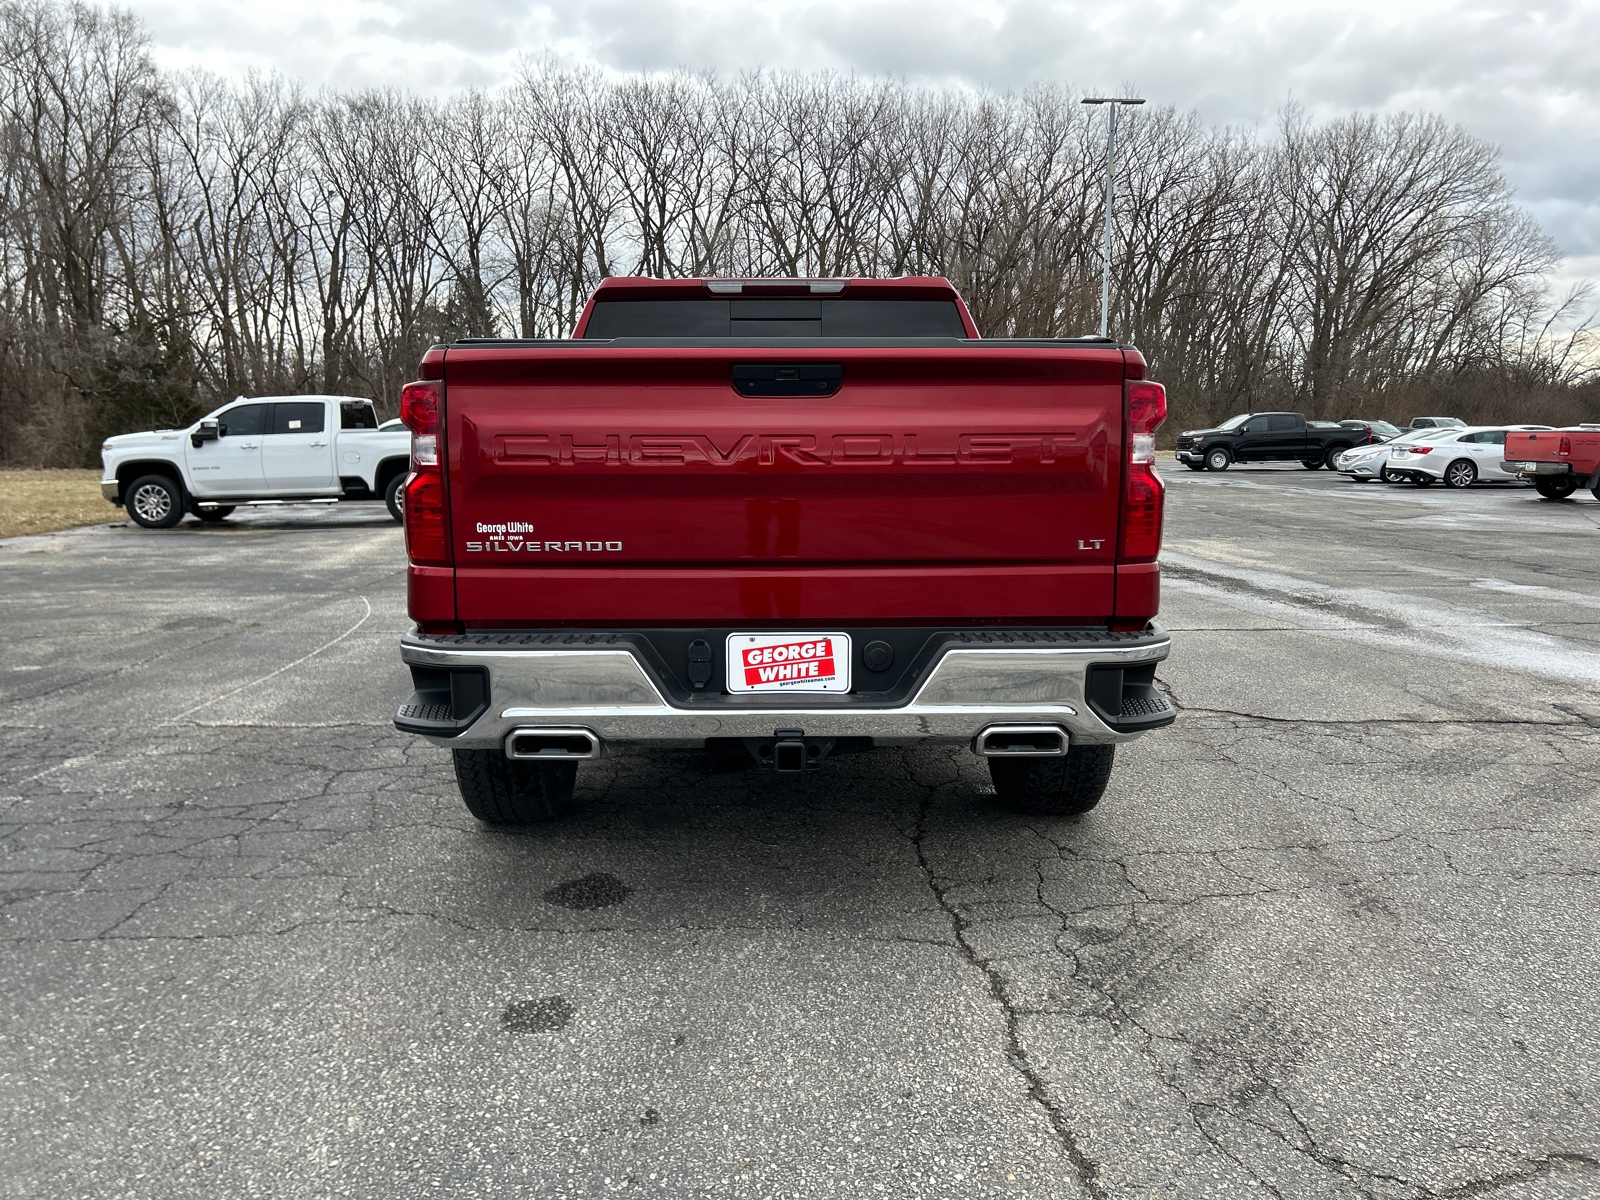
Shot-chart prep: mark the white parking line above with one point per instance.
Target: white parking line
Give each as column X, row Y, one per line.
column 274, row 674
column 1535, row 591
column 1391, row 620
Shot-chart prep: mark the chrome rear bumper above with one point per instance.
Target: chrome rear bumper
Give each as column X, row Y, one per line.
column 610, row 691
column 1520, row 467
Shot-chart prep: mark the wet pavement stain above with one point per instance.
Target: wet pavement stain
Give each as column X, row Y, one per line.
column 544, row 1015
column 596, row 890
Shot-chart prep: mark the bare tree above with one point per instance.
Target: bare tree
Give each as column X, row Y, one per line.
column 169, row 241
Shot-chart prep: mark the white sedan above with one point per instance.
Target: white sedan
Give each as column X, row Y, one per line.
column 1461, row 457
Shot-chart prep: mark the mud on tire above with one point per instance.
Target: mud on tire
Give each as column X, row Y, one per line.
column 1056, row 787
column 507, row 791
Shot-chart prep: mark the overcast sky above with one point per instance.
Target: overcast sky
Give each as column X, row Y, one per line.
column 1526, row 76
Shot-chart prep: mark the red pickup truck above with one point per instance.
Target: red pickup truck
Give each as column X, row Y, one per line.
column 788, row 518
column 1559, row 461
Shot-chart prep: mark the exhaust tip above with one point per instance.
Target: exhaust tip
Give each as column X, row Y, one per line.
column 552, row 743
column 1022, row 741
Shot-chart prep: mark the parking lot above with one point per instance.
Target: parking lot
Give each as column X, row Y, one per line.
column 1331, row 935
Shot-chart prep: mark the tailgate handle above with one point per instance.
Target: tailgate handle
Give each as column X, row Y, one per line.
column 787, row 379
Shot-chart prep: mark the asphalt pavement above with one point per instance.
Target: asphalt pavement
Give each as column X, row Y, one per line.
column 1333, row 934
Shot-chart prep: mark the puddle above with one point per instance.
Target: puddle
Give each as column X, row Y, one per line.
column 597, row 890
column 544, row 1015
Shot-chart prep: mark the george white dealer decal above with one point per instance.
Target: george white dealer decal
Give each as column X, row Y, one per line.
column 510, row 537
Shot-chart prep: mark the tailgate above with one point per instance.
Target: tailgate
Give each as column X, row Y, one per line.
column 605, row 485
column 1530, row 447
column 1578, row 447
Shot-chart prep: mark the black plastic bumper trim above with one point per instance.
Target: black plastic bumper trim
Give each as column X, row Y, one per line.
column 1127, row 699
column 446, row 701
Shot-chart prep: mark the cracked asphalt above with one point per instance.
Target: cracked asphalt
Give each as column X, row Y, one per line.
column 1332, row 935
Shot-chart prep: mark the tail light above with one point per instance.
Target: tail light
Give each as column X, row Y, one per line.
column 1422, row 450
column 1565, row 447
column 1145, row 497
column 427, row 531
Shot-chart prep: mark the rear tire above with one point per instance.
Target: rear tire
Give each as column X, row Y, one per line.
column 1312, row 464
column 508, row 791
column 1556, row 487
column 1460, row 474
column 394, row 495
column 1330, row 457
column 1218, row 459
column 213, row 515
column 1053, row 787
column 1423, row 481
column 154, row 501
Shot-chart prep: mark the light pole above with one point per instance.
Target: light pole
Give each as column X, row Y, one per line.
column 1111, row 150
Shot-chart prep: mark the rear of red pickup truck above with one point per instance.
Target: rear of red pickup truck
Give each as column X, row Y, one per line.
column 1559, row 461
column 791, row 519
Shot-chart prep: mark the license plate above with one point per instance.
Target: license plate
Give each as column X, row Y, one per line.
column 788, row 662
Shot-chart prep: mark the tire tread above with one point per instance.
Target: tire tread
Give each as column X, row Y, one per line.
column 503, row 791
column 1058, row 787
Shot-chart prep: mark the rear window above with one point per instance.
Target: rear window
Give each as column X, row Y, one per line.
column 297, row 418
column 357, row 414
column 769, row 319
column 1283, row 423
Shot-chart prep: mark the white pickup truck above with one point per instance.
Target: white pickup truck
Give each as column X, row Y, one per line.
column 267, row 450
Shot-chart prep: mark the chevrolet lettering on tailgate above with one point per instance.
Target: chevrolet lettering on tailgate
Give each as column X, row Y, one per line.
column 804, row 449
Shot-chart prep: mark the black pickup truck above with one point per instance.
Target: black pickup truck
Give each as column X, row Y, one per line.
column 1268, row 437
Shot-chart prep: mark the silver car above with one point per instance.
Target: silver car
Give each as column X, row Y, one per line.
column 1365, row 463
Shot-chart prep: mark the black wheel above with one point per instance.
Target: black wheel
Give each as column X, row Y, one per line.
column 1218, row 459
column 1460, row 474
column 1195, row 466
column 1331, row 458
column 1423, row 480
column 154, row 501
column 1056, row 787
column 1555, row 487
column 508, row 791
column 214, row 514
column 395, row 497
column 1384, row 476
column 1312, row 464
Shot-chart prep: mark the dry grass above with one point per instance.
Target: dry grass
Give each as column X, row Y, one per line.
column 40, row 501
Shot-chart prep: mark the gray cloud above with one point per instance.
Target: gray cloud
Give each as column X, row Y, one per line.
column 1524, row 76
